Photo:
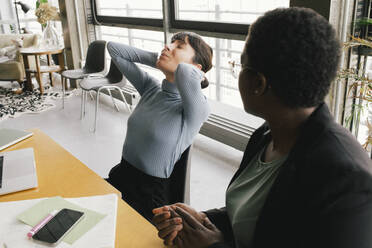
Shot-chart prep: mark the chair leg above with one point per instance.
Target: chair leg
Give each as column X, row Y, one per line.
column 82, row 104
column 63, row 91
column 91, row 96
column 85, row 102
column 124, row 100
column 19, row 89
column 113, row 101
column 96, row 112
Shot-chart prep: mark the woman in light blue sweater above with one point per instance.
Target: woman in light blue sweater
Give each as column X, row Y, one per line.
column 166, row 119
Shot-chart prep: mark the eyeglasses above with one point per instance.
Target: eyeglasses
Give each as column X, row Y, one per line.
column 235, row 71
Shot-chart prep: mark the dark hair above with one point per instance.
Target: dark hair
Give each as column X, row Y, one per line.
column 298, row 52
column 203, row 52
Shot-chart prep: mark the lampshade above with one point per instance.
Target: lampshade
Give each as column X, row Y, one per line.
column 25, row 7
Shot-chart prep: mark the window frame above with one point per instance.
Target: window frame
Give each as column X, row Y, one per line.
column 120, row 20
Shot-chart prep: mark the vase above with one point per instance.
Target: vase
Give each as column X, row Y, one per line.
column 50, row 36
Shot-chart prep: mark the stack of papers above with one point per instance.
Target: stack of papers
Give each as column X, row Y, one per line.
column 37, row 212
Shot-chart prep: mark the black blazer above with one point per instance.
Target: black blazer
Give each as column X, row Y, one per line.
column 322, row 196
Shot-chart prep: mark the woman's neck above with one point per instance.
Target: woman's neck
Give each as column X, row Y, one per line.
column 285, row 127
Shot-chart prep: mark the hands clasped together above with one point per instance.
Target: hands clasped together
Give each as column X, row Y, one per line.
column 183, row 226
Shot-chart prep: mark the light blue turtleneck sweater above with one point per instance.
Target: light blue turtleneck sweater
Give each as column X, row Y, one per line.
column 168, row 116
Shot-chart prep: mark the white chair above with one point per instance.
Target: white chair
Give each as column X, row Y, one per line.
column 95, row 64
column 114, row 80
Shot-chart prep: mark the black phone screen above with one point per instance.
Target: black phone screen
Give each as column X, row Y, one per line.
column 58, row 226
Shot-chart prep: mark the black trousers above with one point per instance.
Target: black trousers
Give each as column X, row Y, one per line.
column 141, row 191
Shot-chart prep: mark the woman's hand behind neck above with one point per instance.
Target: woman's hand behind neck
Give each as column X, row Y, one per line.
column 170, row 77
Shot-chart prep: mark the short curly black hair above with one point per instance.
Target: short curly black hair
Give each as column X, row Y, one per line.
column 298, row 52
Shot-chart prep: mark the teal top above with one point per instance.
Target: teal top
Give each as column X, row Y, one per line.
column 246, row 196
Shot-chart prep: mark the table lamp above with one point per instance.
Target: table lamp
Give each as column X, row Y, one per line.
column 25, row 8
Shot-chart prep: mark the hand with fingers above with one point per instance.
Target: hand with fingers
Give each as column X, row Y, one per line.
column 199, row 216
column 169, row 223
column 195, row 234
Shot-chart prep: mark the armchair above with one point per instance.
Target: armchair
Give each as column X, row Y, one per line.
column 13, row 70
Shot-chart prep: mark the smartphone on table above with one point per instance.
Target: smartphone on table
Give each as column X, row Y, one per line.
column 58, row 227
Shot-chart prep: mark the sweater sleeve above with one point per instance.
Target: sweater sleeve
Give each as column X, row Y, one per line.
column 125, row 57
column 195, row 104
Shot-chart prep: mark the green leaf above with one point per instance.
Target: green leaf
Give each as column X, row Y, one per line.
column 38, row 2
column 363, row 22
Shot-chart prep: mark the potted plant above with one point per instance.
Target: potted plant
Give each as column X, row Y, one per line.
column 359, row 90
column 46, row 13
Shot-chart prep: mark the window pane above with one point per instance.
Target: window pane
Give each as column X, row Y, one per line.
column 130, row 8
column 223, row 82
column 233, row 11
column 143, row 39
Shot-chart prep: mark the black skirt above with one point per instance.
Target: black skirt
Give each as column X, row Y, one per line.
column 141, row 191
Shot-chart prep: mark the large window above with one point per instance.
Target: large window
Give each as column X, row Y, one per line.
column 223, row 83
column 215, row 20
column 224, row 26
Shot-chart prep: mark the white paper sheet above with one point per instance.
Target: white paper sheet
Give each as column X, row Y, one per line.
column 13, row 232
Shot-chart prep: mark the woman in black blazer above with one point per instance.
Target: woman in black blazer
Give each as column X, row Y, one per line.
column 320, row 193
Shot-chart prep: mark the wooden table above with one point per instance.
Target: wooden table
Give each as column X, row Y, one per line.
column 60, row 173
column 37, row 52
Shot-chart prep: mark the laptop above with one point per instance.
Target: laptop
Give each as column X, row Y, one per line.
column 10, row 136
column 17, row 171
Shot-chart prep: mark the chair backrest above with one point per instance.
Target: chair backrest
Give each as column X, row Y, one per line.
column 114, row 75
column 179, row 179
column 96, row 56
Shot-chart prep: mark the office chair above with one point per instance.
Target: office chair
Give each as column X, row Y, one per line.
column 180, row 179
column 94, row 64
column 113, row 80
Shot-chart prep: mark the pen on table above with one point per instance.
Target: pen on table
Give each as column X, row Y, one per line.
column 41, row 224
